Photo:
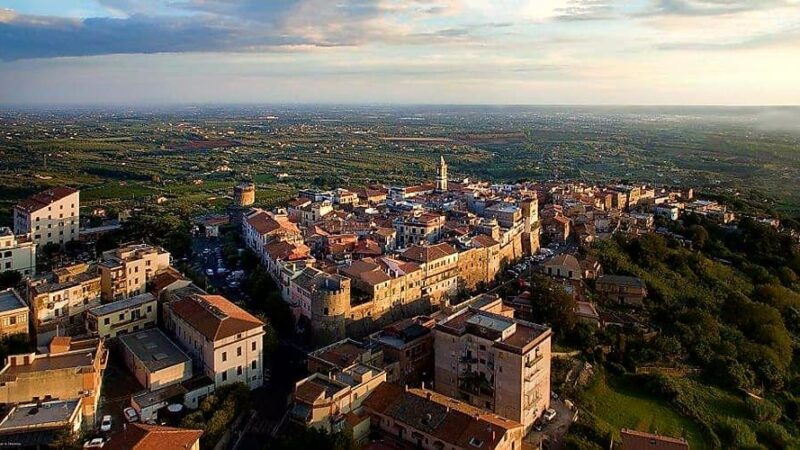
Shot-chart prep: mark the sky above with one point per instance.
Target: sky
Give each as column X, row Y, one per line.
column 620, row 52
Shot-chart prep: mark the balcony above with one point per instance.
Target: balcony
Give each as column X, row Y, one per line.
column 532, row 362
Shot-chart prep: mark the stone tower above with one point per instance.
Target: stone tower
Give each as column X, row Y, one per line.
column 441, row 175
column 530, row 217
column 330, row 308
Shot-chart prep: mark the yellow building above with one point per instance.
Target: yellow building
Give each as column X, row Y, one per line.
column 60, row 298
column 123, row 316
column 13, row 314
column 125, row 271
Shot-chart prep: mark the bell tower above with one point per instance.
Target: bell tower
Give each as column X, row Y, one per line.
column 441, row 175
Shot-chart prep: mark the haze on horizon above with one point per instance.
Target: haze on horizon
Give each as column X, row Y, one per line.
column 637, row 52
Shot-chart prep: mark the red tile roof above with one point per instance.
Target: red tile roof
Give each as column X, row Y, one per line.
column 638, row 440
column 139, row 436
column 42, row 199
column 214, row 316
column 428, row 253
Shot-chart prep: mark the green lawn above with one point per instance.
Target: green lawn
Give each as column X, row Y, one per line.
column 622, row 405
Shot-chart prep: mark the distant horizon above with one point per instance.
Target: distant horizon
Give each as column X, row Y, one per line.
column 379, row 104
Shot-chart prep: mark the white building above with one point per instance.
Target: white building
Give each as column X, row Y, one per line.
column 49, row 217
column 224, row 341
column 17, row 253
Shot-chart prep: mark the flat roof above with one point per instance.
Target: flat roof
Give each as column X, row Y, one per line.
column 165, row 394
column 10, row 300
column 48, row 414
column 154, row 349
column 120, row 305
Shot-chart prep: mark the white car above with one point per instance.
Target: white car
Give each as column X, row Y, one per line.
column 210, row 272
column 94, row 443
column 549, row 415
column 105, row 424
column 131, row 415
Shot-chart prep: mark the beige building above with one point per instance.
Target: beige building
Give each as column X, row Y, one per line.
column 323, row 401
column 225, row 341
column 154, row 359
column 125, row 271
column 489, row 359
column 59, row 299
column 17, row 253
column 31, row 425
column 123, row 316
column 431, row 421
column 72, row 369
column 49, row 217
column 439, row 265
column 13, row 314
column 418, row 227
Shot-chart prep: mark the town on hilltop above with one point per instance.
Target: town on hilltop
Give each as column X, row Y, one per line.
column 412, row 315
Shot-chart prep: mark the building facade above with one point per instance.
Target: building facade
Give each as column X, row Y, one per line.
column 125, row 271
column 13, row 314
column 123, row 316
column 17, row 253
column 49, row 217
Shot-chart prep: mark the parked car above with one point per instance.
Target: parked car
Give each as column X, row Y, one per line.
column 210, row 272
column 94, row 443
column 105, row 424
column 131, row 415
column 549, row 415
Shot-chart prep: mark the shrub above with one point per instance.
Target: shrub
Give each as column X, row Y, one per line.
column 763, row 410
column 774, row 436
column 735, row 433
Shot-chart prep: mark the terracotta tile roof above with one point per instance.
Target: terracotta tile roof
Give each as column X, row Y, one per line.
column 484, row 240
column 165, row 278
column 139, row 436
column 38, row 201
column 638, row 440
column 428, row 253
column 214, row 316
column 265, row 223
column 565, row 260
column 287, row 251
column 443, row 418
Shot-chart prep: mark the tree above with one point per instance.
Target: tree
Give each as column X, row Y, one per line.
column 10, row 279
column 551, row 304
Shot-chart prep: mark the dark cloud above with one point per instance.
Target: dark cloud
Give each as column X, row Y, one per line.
column 709, row 7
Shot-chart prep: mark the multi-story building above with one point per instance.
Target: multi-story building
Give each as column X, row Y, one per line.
column 418, row 227
column 489, row 359
column 72, row 369
column 123, row 316
column 439, row 265
column 154, row 360
column 431, row 421
column 125, row 271
column 37, row 424
column 13, row 314
column 49, row 217
column 224, row 341
column 17, row 253
column 324, row 401
column 59, row 299
column 506, row 214
column 626, row 290
column 409, row 344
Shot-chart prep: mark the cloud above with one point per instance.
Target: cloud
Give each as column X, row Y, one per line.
column 712, row 7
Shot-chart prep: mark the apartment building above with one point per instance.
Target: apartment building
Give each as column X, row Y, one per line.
column 428, row 420
column 327, row 401
column 489, row 359
column 13, row 314
column 17, row 252
column 439, row 265
column 123, row 316
column 125, row 271
column 37, row 424
column 72, row 369
column 506, row 214
column 409, row 344
column 224, row 341
column 418, row 227
column 59, row 299
column 49, row 217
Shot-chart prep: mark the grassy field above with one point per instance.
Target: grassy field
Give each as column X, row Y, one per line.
column 624, row 405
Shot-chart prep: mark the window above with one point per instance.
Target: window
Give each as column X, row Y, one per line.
column 239, row 370
column 225, row 376
column 224, row 356
column 253, row 345
column 122, row 316
column 238, row 351
column 106, row 321
column 254, row 365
